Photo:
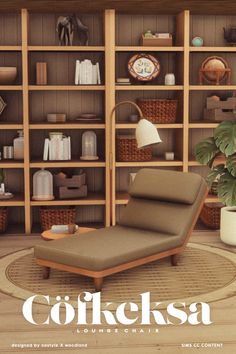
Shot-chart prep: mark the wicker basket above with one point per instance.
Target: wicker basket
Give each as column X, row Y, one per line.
column 127, row 150
column 49, row 217
column 3, row 219
column 210, row 215
column 162, row 111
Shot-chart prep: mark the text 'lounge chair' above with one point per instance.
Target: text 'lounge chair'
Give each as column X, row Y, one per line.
column 156, row 223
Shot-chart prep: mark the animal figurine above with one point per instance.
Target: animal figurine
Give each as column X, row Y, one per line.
column 65, row 28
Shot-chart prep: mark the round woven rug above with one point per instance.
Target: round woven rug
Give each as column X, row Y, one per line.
column 204, row 273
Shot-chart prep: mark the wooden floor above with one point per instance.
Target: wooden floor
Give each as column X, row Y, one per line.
column 14, row 329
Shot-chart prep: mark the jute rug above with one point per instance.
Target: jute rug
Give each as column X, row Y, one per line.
column 204, row 273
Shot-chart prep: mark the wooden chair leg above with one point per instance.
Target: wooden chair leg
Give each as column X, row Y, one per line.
column 174, row 259
column 46, row 272
column 98, row 283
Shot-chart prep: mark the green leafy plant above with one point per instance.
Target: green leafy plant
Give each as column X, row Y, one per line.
column 223, row 143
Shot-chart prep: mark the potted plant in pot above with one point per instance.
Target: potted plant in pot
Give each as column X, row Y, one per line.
column 219, row 153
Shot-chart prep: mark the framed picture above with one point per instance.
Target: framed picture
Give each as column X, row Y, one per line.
column 144, row 67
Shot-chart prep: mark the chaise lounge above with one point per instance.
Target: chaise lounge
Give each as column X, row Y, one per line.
column 156, row 223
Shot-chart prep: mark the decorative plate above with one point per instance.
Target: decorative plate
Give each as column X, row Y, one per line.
column 144, row 67
column 214, row 63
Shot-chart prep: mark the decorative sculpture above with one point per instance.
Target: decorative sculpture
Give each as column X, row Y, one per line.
column 65, row 28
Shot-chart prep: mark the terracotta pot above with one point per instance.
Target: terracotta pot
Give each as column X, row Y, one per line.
column 7, row 75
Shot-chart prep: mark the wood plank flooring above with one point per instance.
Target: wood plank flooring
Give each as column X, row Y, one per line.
column 15, row 329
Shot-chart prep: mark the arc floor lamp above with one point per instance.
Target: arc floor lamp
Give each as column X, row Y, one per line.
column 146, row 134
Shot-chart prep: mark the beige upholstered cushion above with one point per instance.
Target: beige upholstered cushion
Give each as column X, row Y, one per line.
column 161, row 216
column 169, row 186
column 106, row 247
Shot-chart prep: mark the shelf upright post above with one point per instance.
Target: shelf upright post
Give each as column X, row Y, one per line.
column 110, row 125
column 25, row 93
column 182, row 38
column 186, row 16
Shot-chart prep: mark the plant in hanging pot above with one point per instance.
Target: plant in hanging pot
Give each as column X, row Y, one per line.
column 219, row 153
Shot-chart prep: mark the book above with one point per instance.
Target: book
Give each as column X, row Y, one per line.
column 98, row 74
column 46, row 149
column 77, row 72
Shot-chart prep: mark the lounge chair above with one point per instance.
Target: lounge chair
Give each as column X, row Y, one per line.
column 156, row 223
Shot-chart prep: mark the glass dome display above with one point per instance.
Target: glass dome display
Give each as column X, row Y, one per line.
column 89, row 146
column 42, row 185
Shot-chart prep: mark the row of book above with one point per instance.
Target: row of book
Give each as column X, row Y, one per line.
column 87, row 73
column 57, row 149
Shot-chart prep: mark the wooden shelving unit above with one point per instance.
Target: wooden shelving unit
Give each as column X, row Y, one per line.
column 114, row 37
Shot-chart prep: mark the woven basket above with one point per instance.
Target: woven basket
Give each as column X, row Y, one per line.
column 210, row 215
column 49, row 217
column 3, row 219
column 127, row 150
column 162, row 111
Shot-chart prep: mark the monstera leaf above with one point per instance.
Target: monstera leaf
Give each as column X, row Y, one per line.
column 225, row 137
column 231, row 164
column 218, row 170
column 227, row 189
column 206, row 151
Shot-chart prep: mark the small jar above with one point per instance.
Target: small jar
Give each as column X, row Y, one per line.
column 170, row 79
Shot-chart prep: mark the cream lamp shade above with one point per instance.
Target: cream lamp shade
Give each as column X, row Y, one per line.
column 146, row 134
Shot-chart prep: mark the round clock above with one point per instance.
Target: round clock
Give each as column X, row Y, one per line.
column 144, row 67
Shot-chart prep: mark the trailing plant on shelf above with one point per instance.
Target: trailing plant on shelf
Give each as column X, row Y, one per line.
column 219, row 153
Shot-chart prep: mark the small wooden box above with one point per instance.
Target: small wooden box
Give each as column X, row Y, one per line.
column 41, row 73
column 218, row 115
column 73, row 193
column 157, row 42
column 75, row 181
column 230, row 103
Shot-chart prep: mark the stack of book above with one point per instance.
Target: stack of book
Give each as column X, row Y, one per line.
column 87, row 73
column 57, row 149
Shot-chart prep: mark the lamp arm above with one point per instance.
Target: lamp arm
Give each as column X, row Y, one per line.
column 111, row 118
column 127, row 102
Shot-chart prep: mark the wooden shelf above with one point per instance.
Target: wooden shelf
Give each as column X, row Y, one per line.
column 179, row 137
column 212, row 87
column 91, row 199
column 67, row 125
column 55, row 48
column 11, row 88
column 213, row 49
column 11, row 164
column 66, row 87
column 212, row 199
column 155, row 162
column 203, row 125
column 9, row 126
column 158, row 126
column 64, row 164
column 122, row 198
column 10, row 48
column 148, row 88
column 17, row 200
column 148, row 49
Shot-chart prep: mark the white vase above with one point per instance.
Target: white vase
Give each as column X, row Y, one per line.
column 170, row 79
column 228, row 225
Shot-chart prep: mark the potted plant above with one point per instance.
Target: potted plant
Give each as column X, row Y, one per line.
column 211, row 151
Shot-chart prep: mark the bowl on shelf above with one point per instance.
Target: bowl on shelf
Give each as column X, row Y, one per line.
column 7, row 74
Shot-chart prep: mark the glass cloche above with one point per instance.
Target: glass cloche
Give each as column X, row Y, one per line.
column 43, row 185
column 89, row 146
